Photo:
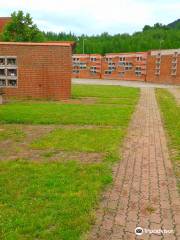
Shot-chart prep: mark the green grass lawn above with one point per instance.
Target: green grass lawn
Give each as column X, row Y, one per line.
column 171, row 117
column 59, row 113
column 37, row 112
column 56, row 200
column 104, row 91
column 49, row 201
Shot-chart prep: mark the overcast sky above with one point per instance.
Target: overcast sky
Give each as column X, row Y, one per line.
column 95, row 16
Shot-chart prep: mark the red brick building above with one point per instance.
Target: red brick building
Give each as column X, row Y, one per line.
column 3, row 22
column 124, row 66
column 158, row 66
column 87, row 65
column 36, row 70
column 120, row 66
column 163, row 66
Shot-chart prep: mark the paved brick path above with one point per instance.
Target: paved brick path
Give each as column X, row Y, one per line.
column 176, row 93
column 144, row 191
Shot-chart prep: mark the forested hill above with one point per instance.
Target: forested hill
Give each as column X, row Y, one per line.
column 151, row 37
column 175, row 24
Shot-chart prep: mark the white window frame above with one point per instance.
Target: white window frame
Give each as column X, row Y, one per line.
column 7, row 67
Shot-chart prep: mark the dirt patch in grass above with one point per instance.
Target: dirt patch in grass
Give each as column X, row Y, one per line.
column 14, row 150
column 11, row 148
column 57, row 156
column 90, row 100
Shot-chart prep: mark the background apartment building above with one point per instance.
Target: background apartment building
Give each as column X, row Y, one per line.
column 124, row 66
column 158, row 66
column 87, row 65
column 120, row 66
column 163, row 66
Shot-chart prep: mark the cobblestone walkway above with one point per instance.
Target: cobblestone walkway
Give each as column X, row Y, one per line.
column 144, row 192
column 176, row 93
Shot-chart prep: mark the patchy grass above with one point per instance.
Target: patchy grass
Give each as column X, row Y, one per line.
column 49, row 201
column 171, row 116
column 102, row 140
column 9, row 133
column 57, row 200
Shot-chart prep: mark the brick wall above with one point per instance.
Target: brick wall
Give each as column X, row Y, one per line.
column 163, row 66
column 44, row 69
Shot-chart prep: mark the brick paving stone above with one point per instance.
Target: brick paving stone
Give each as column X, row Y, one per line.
column 169, row 237
column 156, row 237
column 144, row 192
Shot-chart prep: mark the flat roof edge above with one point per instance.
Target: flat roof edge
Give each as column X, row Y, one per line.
column 64, row 44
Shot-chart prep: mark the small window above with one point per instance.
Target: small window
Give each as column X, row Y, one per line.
column 2, row 82
column 11, row 61
column 174, row 60
column 138, row 74
column 122, row 59
column 82, row 67
column 12, row 83
column 157, row 72
column 138, row 68
column 173, row 72
column 122, row 63
column 108, row 72
column 112, row 68
column 93, row 59
column 12, row 72
column 127, row 68
column 174, row 65
column 2, row 72
column 93, row 69
column 138, row 71
column 75, row 71
column 2, row 61
column 75, row 67
column 8, row 71
column 139, row 58
column 111, row 64
column 158, row 66
column 108, row 59
column 75, row 59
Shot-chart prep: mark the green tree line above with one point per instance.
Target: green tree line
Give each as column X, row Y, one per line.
column 155, row 37
column 22, row 28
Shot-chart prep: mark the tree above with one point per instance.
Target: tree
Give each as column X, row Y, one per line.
column 22, row 29
column 146, row 28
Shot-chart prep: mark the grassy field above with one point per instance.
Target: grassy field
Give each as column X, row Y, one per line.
column 111, row 112
column 60, row 113
column 171, row 117
column 56, row 198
